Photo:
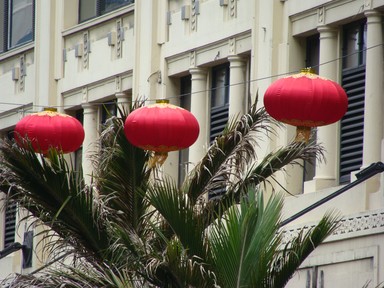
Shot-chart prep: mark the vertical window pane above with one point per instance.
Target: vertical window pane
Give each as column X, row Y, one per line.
column 109, row 5
column 108, row 110
column 88, row 9
column 220, row 85
column 354, row 45
column 313, row 52
column 219, row 100
column 2, row 28
column 79, row 152
column 185, row 102
column 312, row 60
column 21, row 28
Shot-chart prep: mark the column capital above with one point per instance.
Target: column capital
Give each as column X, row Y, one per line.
column 197, row 70
column 373, row 16
column 198, row 73
column 233, row 58
column 88, row 107
column 327, row 31
column 120, row 95
column 236, row 61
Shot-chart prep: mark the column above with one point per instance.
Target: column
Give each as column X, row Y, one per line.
column 326, row 172
column 89, row 145
column 199, row 108
column 44, row 53
column 373, row 111
column 123, row 102
column 237, row 86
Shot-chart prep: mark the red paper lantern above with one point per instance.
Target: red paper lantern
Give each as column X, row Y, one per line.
column 161, row 127
column 50, row 129
column 305, row 100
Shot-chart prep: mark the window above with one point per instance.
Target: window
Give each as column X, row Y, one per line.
column 353, row 82
column 108, row 110
column 89, row 9
column 219, row 99
column 17, row 27
column 354, row 45
column 313, row 52
column 219, row 110
column 9, row 223
column 312, row 60
column 185, row 102
column 79, row 152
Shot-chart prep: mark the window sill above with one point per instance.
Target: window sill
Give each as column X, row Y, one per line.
column 100, row 19
column 15, row 51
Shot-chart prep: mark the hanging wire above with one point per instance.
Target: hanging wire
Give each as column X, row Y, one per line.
column 200, row 91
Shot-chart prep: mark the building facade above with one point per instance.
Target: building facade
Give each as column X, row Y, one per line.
column 212, row 57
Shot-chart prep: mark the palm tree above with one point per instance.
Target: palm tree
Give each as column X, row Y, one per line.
column 133, row 227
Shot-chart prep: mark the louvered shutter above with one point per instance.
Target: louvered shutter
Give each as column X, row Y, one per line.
column 219, row 118
column 219, row 110
column 10, row 224
column 352, row 124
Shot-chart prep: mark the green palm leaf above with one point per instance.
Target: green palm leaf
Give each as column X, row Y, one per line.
column 121, row 173
column 241, row 241
column 229, row 154
column 178, row 212
column 51, row 191
column 298, row 248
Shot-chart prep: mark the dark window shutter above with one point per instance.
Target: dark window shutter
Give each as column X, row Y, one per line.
column 10, row 224
column 5, row 7
column 219, row 118
column 352, row 124
column 219, row 110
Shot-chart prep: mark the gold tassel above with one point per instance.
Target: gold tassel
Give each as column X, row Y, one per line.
column 303, row 133
column 157, row 159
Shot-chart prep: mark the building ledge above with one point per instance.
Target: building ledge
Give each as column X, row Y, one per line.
column 351, row 226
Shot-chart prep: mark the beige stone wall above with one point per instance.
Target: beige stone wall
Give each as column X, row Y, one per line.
column 141, row 50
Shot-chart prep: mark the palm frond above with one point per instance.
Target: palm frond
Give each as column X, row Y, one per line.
column 178, row 212
column 50, row 190
column 229, row 154
column 279, row 160
column 241, row 240
column 80, row 275
column 121, row 172
column 299, row 248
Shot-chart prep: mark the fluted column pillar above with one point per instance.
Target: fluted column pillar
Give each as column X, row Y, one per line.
column 199, row 104
column 122, row 102
column 89, row 145
column 326, row 172
column 373, row 111
column 237, row 86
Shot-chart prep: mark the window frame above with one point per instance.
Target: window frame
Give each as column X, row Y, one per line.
column 185, row 102
column 7, row 28
column 100, row 9
column 353, row 82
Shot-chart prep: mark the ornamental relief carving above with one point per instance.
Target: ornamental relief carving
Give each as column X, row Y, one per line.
column 119, row 38
column 367, row 4
column 86, row 50
column 232, row 8
column 22, row 74
column 232, row 46
column 321, row 16
column 192, row 59
column 194, row 13
column 348, row 225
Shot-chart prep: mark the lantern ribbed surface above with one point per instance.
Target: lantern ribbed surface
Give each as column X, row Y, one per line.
column 306, row 99
column 161, row 127
column 50, row 129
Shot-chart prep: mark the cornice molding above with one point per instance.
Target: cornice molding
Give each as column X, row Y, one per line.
column 363, row 224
